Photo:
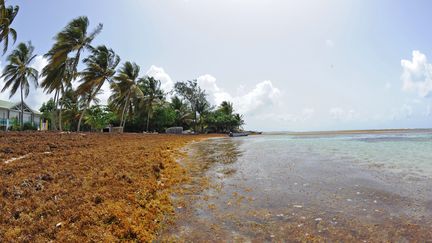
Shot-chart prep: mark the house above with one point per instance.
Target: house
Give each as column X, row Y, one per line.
column 10, row 111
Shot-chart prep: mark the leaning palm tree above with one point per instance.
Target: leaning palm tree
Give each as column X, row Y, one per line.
column 18, row 73
column 7, row 16
column 153, row 94
column 101, row 65
column 63, row 69
column 73, row 39
column 58, row 80
column 125, row 88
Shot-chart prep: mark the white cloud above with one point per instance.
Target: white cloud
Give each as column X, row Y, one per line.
column 417, row 74
column 340, row 114
column 215, row 94
column 263, row 96
column 159, row 73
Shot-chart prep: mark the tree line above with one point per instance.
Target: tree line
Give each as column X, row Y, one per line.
column 137, row 103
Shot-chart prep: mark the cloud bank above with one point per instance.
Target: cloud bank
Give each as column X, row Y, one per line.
column 262, row 97
column 417, row 74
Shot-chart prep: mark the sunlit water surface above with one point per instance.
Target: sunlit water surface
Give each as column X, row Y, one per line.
column 365, row 187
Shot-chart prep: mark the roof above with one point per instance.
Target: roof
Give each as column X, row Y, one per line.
column 9, row 105
column 6, row 104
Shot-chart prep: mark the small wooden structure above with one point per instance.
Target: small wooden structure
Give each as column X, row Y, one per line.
column 174, row 130
column 116, row 130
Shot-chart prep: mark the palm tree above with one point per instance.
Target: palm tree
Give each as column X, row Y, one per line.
column 18, row 73
column 226, row 107
column 72, row 39
column 125, row 89
column 7, row 16
column 153, row 94
column 71, row 104
column 183, row 114
column 62, row 69
column 101, row 65
column 202, row 107
column 58, row 80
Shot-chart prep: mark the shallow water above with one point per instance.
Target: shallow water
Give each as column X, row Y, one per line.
column 362, row 187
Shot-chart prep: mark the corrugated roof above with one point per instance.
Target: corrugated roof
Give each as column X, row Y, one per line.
column 9, row 105
column 6, row 104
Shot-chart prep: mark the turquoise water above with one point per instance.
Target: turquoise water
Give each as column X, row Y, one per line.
column 407, row 153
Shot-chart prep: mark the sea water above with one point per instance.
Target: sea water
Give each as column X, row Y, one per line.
column 362, row 186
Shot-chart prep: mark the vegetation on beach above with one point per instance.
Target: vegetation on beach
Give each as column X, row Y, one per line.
column 87, row 187
column 137, row 103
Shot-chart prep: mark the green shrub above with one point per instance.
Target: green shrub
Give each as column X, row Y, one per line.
column 28, row 126
column 15, row 125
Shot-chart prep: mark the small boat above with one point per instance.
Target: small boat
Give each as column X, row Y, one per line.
column 238, row 134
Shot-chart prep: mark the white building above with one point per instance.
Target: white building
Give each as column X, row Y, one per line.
column 9, row 111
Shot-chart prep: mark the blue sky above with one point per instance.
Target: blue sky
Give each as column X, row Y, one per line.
column 286, row 65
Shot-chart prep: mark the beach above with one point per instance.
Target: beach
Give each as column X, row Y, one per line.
column 87, row 187
column 353, row 187
column 361, row 187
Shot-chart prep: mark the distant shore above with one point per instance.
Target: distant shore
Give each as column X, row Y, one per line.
column 366, row 131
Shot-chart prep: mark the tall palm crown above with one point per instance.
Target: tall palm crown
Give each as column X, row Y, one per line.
column 125, row 88
column 18, row 73
column 7, row 16
column 62, row 67
column 152, row 95
column 101, row 65
column 226, row 107
column 59, row 78
column 74, row 38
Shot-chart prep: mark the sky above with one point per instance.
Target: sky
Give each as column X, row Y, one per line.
column 286, row 65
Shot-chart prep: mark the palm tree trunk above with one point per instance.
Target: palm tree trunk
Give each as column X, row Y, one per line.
column 57, row 110
column 148, row 120
column 124, row 111
column 54, row 114
column 22, row 109
column 60, row 117
column 82, row 115
column 87, row 105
